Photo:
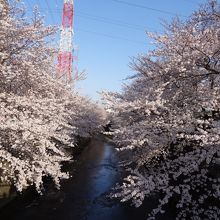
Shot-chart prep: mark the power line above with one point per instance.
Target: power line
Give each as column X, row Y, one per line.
column 147, row 8
column 102, row 19
column 112, row 21
column 31, row 8
column 111, row 36
column 38, row 2
column 50, row 11
column 56, row 3
column 107, row 20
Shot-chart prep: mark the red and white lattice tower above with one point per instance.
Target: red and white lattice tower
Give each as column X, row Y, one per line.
column 65, row 56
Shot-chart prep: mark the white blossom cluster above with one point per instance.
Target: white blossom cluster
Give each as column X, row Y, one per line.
column 39, row 116
column 167, row 121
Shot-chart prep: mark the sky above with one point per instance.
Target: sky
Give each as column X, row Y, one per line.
column 109, row 33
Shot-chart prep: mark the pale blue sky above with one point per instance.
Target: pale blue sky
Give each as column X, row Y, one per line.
column 109, row 32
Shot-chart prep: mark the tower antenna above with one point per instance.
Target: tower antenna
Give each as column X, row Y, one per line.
column 65, row 56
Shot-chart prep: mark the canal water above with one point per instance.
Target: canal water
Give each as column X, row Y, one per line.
column 83, row 196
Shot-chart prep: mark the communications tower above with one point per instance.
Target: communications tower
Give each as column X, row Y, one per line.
column 65, row 56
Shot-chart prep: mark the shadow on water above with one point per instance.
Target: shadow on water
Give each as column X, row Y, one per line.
column 83, row 196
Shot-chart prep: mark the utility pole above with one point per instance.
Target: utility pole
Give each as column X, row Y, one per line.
column 65, row 56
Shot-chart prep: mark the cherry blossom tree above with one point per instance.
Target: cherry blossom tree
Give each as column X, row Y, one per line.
column 39, row 114
column 168, row 119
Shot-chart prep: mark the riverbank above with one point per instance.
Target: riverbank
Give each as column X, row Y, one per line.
column 8, row 192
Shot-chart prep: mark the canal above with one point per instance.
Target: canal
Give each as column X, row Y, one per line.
column 83, row 196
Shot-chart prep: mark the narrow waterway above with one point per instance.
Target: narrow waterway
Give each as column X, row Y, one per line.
column 83, row 196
